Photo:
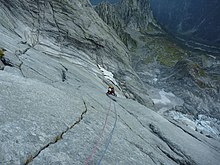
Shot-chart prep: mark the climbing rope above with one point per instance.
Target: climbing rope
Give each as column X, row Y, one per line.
column 110, row 137
column 99, row 139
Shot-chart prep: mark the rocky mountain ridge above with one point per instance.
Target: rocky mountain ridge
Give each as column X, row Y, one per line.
column 127, row 16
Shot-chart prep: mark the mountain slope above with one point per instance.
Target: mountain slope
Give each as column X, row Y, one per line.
column 195, row 21
column 53, row 107
column 180, row 79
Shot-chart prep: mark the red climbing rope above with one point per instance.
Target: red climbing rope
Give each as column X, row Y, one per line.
column 98, row 141
column 109, row 139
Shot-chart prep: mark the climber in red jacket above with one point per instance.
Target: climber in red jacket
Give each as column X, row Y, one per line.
column 111, row 91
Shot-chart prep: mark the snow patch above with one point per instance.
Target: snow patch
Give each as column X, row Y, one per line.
column 155, row 79
column 207, row 125
column 163, row 99
column 183, row 118
column 203, row 124
column 108, row 75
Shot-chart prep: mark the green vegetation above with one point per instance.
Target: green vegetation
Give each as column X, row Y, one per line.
column 169, row 59
column 149, row 59
column 133, row 45
column 129, row 41
column 202, row 84
column 199, row 75
column 161, row 49
column 57, row 138
column 215, row 77
column 29, row 159
column 166, row 52
column 150, row 27
column 198, row 71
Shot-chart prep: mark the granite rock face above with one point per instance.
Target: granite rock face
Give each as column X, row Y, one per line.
column 53, row 107
column 127, row 16
column 41, row 21
column 134, row 14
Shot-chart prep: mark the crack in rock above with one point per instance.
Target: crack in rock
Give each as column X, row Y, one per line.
column 205, row 142
column 149, row 154
column 19, row 53
column 135, row 116
column 135, row 132
column 184, row 130
column 63, row 75
column 39, row 73
column 178, row 161
column 186, row 160
column 56, row 23
column 59, row 137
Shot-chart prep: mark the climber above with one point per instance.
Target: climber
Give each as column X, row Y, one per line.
column 2, row 53
column 2, row 59
column 111, row 91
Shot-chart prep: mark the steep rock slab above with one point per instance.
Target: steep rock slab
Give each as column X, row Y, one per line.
column 59, row 29
column 139, row 136
column 53, row 106
column 33, row 114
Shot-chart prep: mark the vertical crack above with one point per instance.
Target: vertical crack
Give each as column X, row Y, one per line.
column 17, row 54
column 135, row 116
column 57, row 26
column 135, row 132
column 63, row 74
column 57, row 138
column 149, row 154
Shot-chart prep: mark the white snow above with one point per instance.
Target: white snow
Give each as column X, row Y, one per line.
column 108, row 75
column 155, row 79
column 163, row 99
column 203, row 124
column 182, row 118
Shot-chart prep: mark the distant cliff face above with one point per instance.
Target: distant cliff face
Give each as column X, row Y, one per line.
column 127, row 17
column 95, row 2
column 133, row 14
column 197, row 20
